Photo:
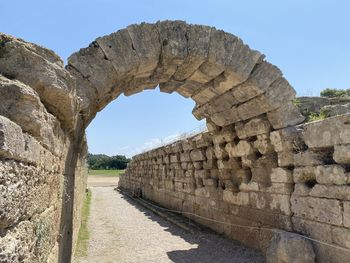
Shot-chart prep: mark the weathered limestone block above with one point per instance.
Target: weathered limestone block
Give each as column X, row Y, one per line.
column 22, row 105
column 253, row 127
column 342, row 153
column 210, row 164
column 304, row 174
column 287, row 115
column 225, row 135
column 43, row 71
column 249, row 161
column 285, row 139
column 172, row 36
column 243, row 148
column 285, row 159
column 262, row 168
column 249, row 187
column 203, row 174
column 240, row 198
column 302, row 189
column 212, row 127
column 185, row 157
column 12, row 143
column 346, row 214
column 220, row 152
column 197, row 155
column 277, row 188
column 202, row 140
column 280, row 175
column 22, row 240
column 340, row 192
column 226, row 117
column 277, row 95
column 231, row 163
column 188, row 145
column 258, row 82
column 204, row 93
column 288, row 247
column 278, row 203
column 25, row 182
column 317, row 230
column 117, row 48
column 341, row 236
column 328, row 132
column 263, row 144
column 174, row 158
column 240, row 61
column 198, row 165
column 146, row 42
column 91, row 63
column 197, row 50
column 308, row 158
column 321, row 210
column 331, row 174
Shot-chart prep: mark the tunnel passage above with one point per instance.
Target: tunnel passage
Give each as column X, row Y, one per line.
column 247, row 104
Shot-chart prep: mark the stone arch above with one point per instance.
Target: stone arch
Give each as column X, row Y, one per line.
column 228, row 81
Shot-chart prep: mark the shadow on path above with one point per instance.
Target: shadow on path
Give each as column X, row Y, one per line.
column 211, row 246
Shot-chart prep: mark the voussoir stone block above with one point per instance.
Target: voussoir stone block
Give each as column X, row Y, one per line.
column 262, row 76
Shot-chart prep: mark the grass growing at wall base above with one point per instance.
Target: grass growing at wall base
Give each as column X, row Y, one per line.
column 106, row 173
column 84, row 235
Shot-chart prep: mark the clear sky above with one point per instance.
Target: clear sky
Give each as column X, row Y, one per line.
column 309, row 40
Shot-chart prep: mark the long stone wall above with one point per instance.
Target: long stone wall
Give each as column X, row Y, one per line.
column 295, row 179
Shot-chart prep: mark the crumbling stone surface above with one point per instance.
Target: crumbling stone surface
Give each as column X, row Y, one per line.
column 288, row 247
column 254, row 167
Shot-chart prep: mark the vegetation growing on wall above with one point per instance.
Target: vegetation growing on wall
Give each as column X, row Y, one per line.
column 105, row 162
column 332, row 93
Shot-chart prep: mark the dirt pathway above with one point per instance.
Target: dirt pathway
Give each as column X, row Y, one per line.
column 122, row 231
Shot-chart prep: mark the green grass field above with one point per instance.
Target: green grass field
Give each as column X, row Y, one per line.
column 109, row 173
column 84, row 235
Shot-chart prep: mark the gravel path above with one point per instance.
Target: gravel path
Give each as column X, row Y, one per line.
column 121, row 231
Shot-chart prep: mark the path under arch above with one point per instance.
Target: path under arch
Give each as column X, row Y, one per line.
column 121, row 231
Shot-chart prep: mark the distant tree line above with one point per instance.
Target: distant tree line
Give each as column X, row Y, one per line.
column 332, row 93
column 105, row 162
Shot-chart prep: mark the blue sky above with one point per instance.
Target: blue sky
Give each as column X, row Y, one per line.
column 309, row 40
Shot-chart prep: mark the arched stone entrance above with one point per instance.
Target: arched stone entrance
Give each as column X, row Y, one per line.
column 46, row 108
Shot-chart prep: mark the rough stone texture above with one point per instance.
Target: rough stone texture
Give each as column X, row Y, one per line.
column 287, row 247
column 304, row 192
column 253, row 168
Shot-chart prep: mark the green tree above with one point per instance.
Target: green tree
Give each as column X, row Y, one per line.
column 105, row 162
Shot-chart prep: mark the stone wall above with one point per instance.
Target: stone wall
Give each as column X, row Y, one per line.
column 295, row 179
column 36, row 121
